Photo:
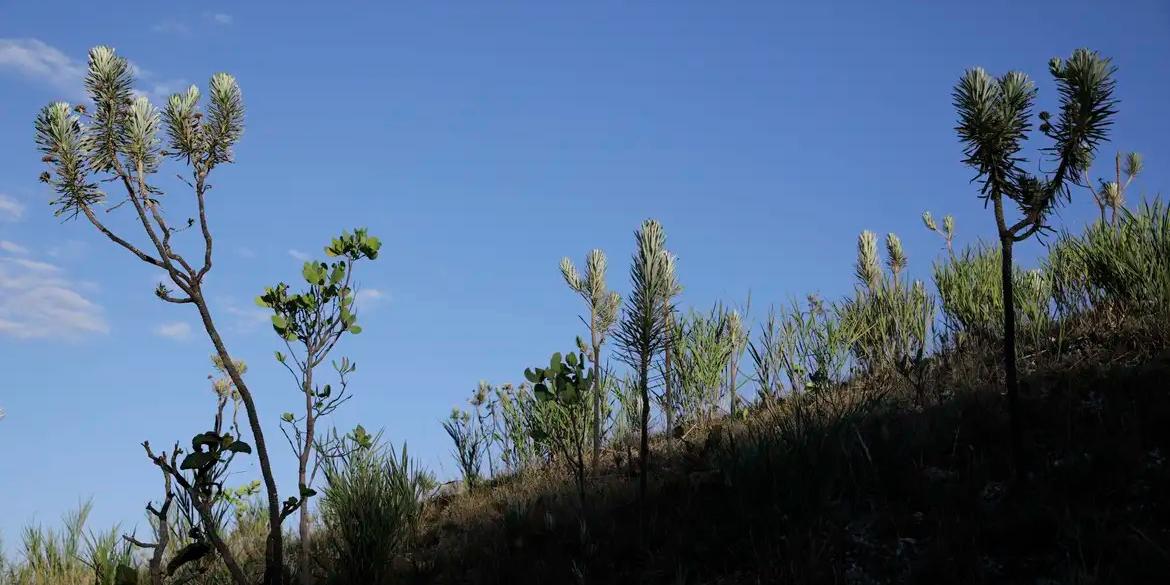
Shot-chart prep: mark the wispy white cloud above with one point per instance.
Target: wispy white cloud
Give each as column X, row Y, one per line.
column 299, row 255
column 177, row 330
column 243, row 318
column 368, row 298
column 171, row 27
column 10, row 208
column 221, row 18
column 47, row 64
column 37, row 300
column 12, row 248
column 68, row 250
column 246, row 252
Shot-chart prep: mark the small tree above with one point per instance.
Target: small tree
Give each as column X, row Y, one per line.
column 603, row 308
column 642, row 332
column 994, row 120
column 311, row 323
column 561, row 418
column 119, row 143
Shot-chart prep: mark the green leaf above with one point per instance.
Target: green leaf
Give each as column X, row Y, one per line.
column 287, row 417
column 571, row 359
column 531, row 376
column 542, row 392
column 280, row 357
column 240, row 447
column 208, row 439
column 197, row 460
column 308, row 492
column 355, row 329
column 279, row 322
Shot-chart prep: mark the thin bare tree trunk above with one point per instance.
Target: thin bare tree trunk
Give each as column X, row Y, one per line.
column 274, row 546
column 644, row 455
column 668, row 393
column 1009, row 354
column 305, row 527
column 596, row 384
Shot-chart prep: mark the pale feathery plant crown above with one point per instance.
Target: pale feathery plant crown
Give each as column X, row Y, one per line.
column 592, row 288
column 1111, row 194
column 641, row 333
column 948, row 225
column 1133, row 165
column 122, row 128
column 223, row 384
column 737, row 335
column 928, row 220
column 896, row 256
column 142, row 144
column 481, row 394
column 868, row 270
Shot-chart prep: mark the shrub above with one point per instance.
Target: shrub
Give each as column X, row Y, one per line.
column 1127, row 265
column 371, row 506
column 971, row 295
column 701, row 349
column 888, row 318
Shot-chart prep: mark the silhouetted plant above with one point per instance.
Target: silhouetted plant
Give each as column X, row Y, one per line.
column 994, row 119
column 118, row 142
column 642, row 333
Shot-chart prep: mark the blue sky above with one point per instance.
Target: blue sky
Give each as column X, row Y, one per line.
column 482, row 143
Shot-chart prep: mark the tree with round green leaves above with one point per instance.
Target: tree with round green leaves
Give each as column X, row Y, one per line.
column 311, row 323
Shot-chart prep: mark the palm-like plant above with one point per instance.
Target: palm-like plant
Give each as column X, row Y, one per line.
column 603, row 309
column 642, row 332
column 994, row 120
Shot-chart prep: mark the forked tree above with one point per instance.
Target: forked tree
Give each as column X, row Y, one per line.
column 994, row 120
column 642, row 332
column 118, row 143
column 603, row 309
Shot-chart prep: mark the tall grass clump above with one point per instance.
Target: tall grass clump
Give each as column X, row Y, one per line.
column 373, row 498
column 1127, row 265
column 70, row 555
column 971, row 295
column 701, row 347
column 889, row 317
